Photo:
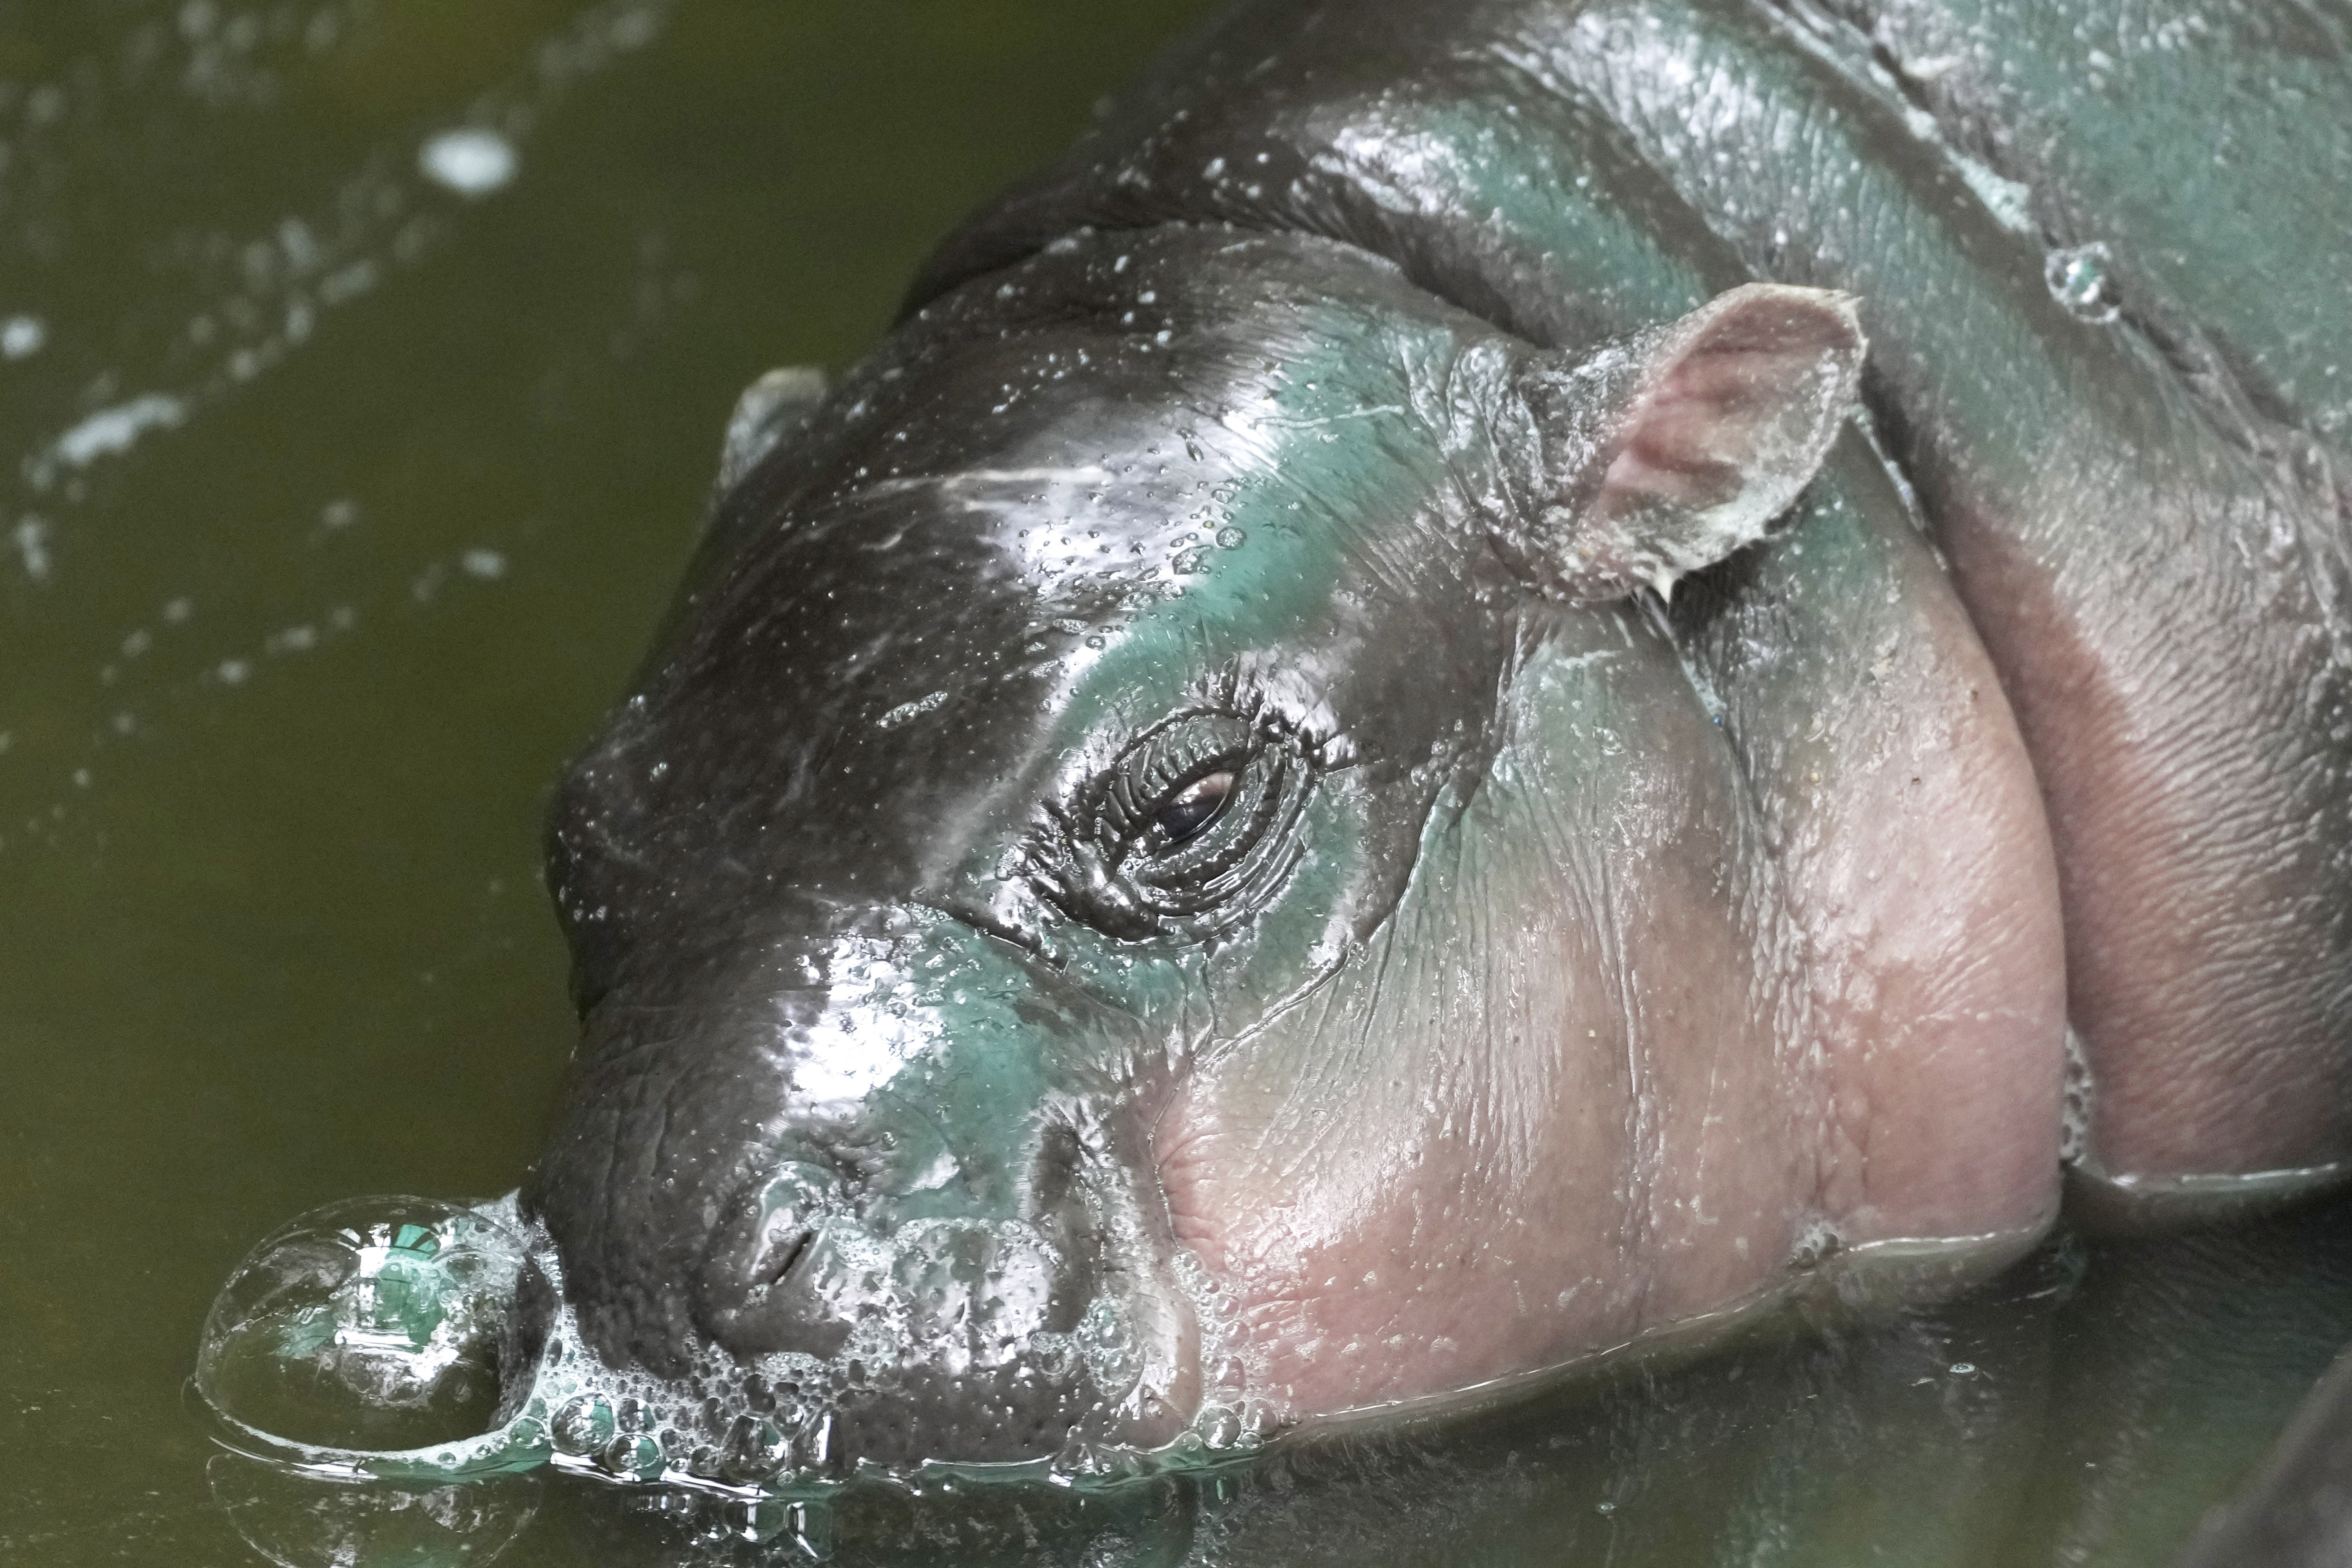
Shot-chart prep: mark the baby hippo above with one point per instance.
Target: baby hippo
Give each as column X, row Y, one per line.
column 1499, row 681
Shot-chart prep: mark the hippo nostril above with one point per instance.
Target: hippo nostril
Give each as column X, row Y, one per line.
column 777, row 1255
column 751, row 1299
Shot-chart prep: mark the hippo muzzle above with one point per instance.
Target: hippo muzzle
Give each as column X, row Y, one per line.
column 853, row 1173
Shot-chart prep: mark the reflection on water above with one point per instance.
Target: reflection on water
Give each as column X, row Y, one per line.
column 362, row 365
column 2088, row 1408
column 299, row 1522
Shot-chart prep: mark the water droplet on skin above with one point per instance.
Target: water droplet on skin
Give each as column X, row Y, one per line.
column 2082, row 278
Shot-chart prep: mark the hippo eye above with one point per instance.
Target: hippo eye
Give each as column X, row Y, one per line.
column 1192, row 826
column 1183, row 815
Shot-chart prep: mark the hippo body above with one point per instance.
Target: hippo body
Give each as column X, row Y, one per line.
column 1245, row 825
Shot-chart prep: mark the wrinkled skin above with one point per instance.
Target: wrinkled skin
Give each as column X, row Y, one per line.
column 1597, row 922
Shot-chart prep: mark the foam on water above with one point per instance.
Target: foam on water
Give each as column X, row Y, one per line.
column 406, row 1339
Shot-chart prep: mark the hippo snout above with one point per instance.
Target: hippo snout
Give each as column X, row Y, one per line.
column 838, row 1182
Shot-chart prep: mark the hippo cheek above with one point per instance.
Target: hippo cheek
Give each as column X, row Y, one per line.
column 1552, row 1105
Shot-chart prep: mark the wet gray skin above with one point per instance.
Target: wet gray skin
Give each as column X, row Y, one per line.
column 1175, row 868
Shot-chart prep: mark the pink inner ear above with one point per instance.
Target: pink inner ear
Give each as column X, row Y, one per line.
column 1739, row 401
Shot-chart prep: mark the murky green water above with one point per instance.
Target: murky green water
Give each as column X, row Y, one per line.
column 343, row 501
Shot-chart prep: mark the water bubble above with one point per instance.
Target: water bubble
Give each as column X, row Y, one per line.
column 375, row 1323
column 471, row 163
column 2080, row 278
column 633, row 1458
column 1106, row 1341
column 1231, row 538
column 584, row 1425
column 1220, row 1426
column 760, row 1520
column 756, row 1450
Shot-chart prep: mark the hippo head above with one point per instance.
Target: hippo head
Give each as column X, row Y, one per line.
column 1032, row 959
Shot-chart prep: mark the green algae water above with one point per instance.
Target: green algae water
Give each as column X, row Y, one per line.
column 362, row 367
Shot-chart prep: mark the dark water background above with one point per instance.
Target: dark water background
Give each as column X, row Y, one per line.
column 338, row 506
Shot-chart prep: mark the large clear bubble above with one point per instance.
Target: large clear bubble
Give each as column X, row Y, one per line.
column 374, row 1325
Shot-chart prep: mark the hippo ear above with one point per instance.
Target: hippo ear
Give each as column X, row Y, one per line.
column 1664, row 452
column 771, row 409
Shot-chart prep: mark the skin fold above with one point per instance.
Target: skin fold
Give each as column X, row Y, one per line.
column 1493, row 682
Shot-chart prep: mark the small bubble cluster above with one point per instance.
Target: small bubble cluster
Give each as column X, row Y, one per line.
column 395, row 1338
